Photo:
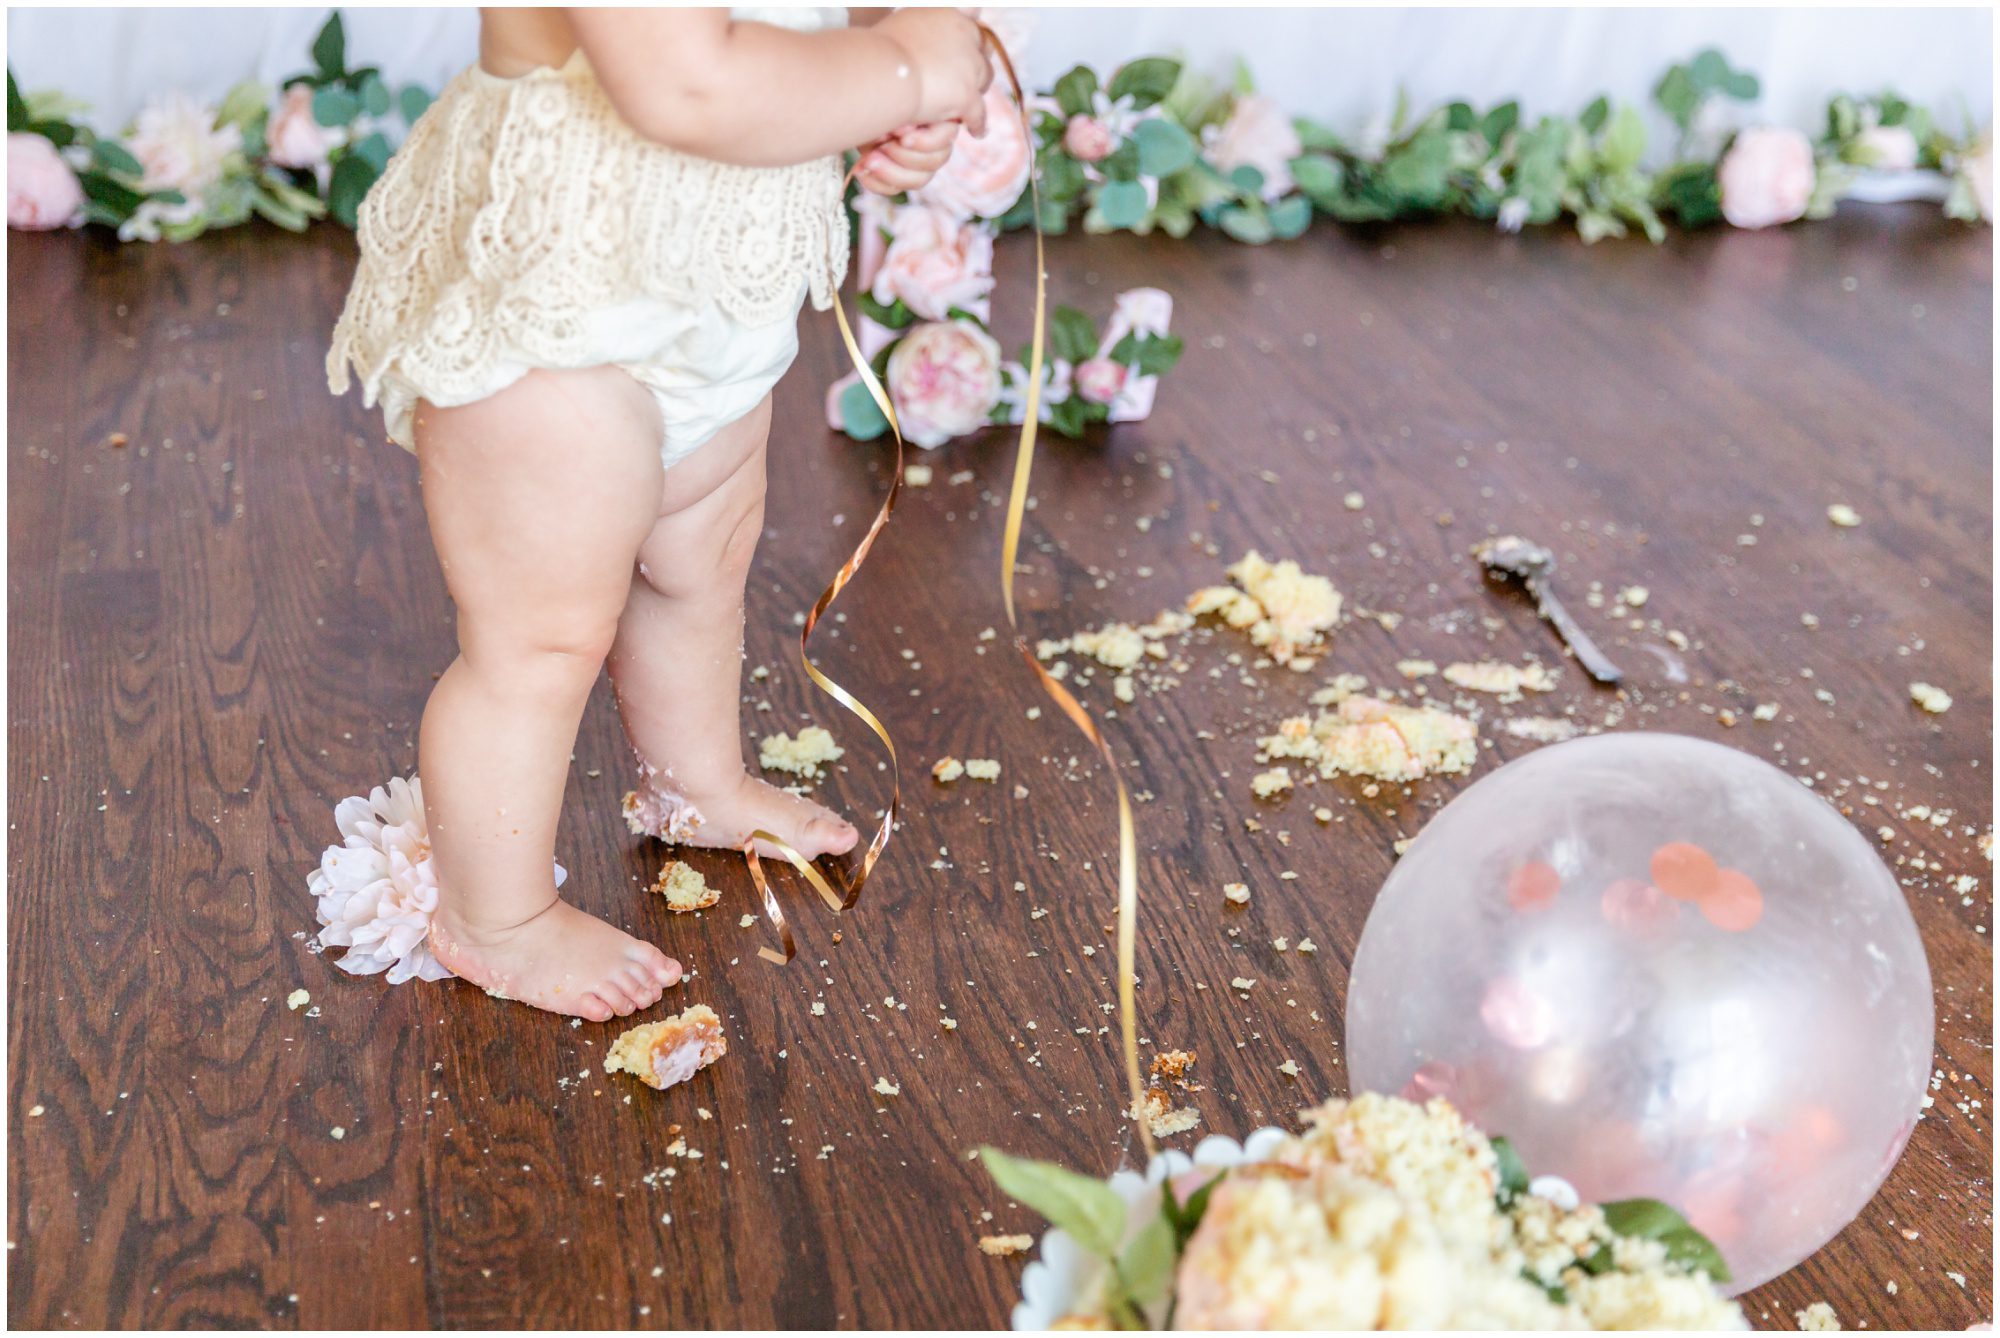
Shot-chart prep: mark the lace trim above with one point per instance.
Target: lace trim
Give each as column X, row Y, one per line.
column 519, row 206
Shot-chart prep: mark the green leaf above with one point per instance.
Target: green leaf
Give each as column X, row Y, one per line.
column 1248, row 181
column 1087, row 1209
column 413, row 102
column 1742, row 85
column 1593, row 117
column 1158, row 354
column 373, row 149
column 1072, row 335
column 1690, row 193
column 352, row 176
column 860, row 416
column 329, row 49
column 1062, row 176
column 1676, row 96
column 1147, row 1265
column 1417, row 173
column 897, row 315
column 1164, row 148
column 113, row 195
column 374, row 96
column 1708, row 69
column 17, row 106
column 1318, row 175
column 1513, row 1173
column 1649, row 1219
column 1187, row 1216
column 1494, row 126
column 1122, row 163
column 1459, row 117
column 242, row 104
column 1070, row 417
column 115, row 157
column 59, row 133
column 1122, row 204
column 1073, row 90
column 335, row 106
column 1145, row 81
column 1246, row 223
column 1624, row 142
column 1290, row 217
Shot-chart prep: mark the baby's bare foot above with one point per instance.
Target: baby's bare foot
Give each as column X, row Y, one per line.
column 563, row 960
column 723, row 819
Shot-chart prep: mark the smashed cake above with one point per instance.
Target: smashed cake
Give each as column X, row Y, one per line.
column 661, row 1054
column 684, row 888
column 1285, row 609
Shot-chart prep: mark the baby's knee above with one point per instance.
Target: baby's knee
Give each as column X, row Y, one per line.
column 557, row 655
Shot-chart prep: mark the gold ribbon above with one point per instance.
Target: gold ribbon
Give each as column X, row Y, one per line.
column 1017, row 502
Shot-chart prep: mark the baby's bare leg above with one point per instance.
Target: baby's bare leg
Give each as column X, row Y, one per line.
column 678, row 661
column 538, row 498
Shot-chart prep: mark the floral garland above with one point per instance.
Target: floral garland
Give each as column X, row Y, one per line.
column 308, row 149
column 1156, row 147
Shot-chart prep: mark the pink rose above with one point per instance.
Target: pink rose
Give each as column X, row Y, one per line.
column 944, row 379
column 1100, row 379
column 1088, row 139
column 1766, row 177
column 294, row 137
column 935, row 262
column 1889, row 147
column 983, row 177
column 1144, row 312
column 41, row 190
column 1258, row 134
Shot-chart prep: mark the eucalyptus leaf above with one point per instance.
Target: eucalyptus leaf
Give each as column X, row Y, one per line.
column 352, row 177
column 1592, row 117
column 335, row 106
column 412, row 102
column 1164, row 148
column 374, row 96
column 1290, row 217
column 862, row 419
column 374, row 149
column 115, row 157
column 1122, row 204
column 1089, row 1210
column 1649, row 1219
column 1247, row 223
column 1072, row 336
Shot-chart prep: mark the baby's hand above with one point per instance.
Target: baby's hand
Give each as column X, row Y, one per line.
column 949, row 61
column 905, row 159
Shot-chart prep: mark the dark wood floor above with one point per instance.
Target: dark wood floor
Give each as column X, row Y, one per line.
column 231, row 622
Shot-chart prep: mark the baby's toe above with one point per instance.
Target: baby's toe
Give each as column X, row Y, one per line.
column 655, row 966
column 594, row 1008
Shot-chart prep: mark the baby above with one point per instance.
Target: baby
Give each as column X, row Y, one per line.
column 580, row 279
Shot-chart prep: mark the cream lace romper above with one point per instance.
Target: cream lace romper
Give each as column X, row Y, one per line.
column 524, row 224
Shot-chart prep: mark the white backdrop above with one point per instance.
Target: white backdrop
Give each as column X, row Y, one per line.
column 1339, row 65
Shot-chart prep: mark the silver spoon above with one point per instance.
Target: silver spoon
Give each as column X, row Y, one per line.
column 1535, row 567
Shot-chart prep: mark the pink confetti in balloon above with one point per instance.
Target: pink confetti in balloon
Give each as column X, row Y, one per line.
column 1516, row 1014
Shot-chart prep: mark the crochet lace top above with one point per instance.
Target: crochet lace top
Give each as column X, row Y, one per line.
column 518, row 206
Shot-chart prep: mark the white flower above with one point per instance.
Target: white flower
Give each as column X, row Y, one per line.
column 1977, row 169
column 1145, row 312
column 1056, row 387
column 1513, row 213
column 1891, row 148
column 377, row 889
column 180, row 147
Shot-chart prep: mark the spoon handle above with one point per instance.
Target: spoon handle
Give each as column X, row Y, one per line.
column 1594, row 661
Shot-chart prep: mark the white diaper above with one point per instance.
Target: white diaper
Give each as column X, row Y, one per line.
column 704, row 368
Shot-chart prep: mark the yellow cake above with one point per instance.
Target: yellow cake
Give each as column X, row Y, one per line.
column 661, row 1054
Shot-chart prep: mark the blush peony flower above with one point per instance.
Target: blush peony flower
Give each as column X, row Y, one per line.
column 1258, row 134
column 180, row 147
column 936, row 262
column 377, row 889
column 945, row 379
column 1088, row 139
column 42, row 192
column 1766, row 177
column 295, row 139
column 983, row 177
column 1890, row 147
column 1100, row 379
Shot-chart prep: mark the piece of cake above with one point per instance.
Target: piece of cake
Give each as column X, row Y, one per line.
column 661, row 1054
column 1501, row 679
column 803, row 756
column 684, row 888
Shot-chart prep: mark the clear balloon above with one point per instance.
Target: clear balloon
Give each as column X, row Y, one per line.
column 1665, row 970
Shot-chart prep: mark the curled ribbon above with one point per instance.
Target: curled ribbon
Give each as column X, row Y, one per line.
column 1024, row 461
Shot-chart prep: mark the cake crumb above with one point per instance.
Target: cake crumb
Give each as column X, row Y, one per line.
column 298, row 999
column 887, row 1088
column 946, row 770
column 684, row 888
column 1236, row 892
column 1243, row 983
column 1501, row 679
column 999, row 1246
column 1154, row 1107
column 1933, row 699
column 917, row 476
column 1846, row 517
column 982, row 768
column 1267, row 783
column 1817, row 1318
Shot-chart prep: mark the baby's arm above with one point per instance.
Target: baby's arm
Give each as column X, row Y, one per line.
column 763, row 96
